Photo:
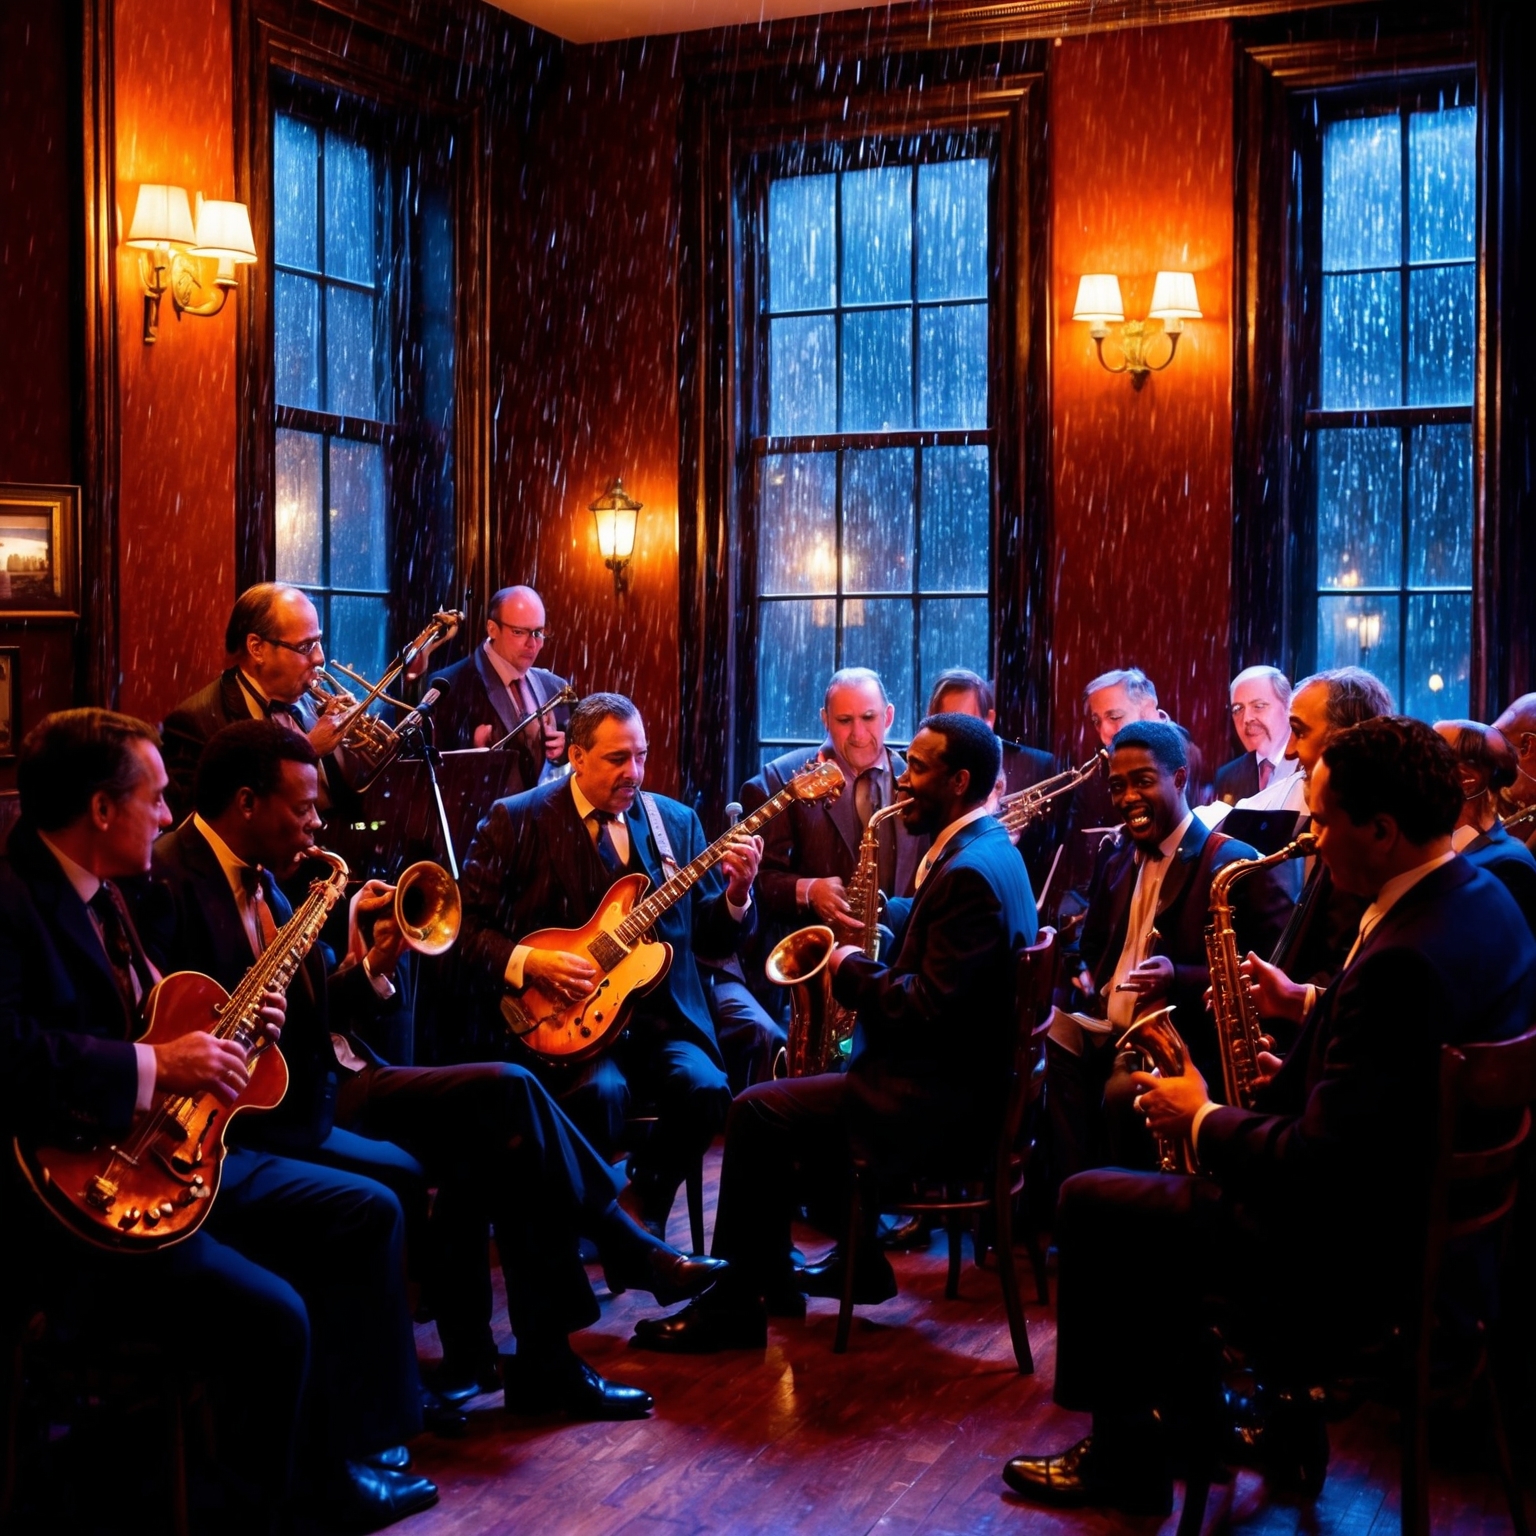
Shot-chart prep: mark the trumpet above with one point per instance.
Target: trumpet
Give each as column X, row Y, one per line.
column 1017, row 810
column 1518, row 821
column 371, row 743
column 426, row 907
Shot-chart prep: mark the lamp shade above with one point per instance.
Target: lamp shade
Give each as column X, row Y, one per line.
column 616, row 513
column 224, row 230
column 161, row 216
column 1174, row 298
column 1098, row 298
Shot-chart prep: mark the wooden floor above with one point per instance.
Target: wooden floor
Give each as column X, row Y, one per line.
column 906, row 1433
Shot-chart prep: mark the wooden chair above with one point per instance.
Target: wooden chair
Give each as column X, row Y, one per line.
column 1471, row 1194
column 636, row 1129
column 991, row 1190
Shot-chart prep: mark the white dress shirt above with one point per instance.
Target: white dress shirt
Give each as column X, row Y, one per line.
column 1150, row 873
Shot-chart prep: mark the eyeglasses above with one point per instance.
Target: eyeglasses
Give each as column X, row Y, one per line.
column 298, row 647
column 541, row 635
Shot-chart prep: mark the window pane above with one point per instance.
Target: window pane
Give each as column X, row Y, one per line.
column 878, row 521
column 952, row 354
column 1439, row 656
column 877, row 370
column 1360, row 632
column 350, row 385
column 877, row 236
column 797, row 542
column 802, row 250
column 802, row 376
column 299, row 550
column 795, row 647
column 1442, row 184
column 877, row 632
column 1359, row 508
column 296, row 341
column 359, row 553
column 295, row 173
column 952, row 230
column 1362, row 194
column 349, row 210
column 1362, row 346
column 359, row 634
column 954, row 634
column 956, row 520
column 1441, row 335
column 1440, row 504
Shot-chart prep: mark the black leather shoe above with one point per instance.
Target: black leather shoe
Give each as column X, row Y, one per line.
column 702, row 1330
column 365, row 1498
column 873, row 1282
column 455, row 1383
column 572, row 1388
column 668, row 1275
column 442, row 1417
column 393, row 1458
column 1074, row 1478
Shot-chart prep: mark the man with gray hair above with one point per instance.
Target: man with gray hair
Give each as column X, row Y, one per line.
column 1260, row 697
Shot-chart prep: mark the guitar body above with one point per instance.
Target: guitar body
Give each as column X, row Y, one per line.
column 559, row 1029
column 157, row 1185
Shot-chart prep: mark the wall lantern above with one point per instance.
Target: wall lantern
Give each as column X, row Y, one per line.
column 1099, row 304
column 173, row 249
column 616, row 513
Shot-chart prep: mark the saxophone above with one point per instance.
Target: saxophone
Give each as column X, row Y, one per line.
column 819, row 1025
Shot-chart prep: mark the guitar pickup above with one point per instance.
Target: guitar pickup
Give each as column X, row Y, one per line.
column 606, row 951
column 100, row 1193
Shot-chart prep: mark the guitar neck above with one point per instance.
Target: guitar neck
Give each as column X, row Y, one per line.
column 655, row 906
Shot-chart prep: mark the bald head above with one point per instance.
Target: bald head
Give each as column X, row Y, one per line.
column 1517, row 725
column 515, row 628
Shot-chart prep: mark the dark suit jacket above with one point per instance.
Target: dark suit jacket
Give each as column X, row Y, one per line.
column 202, row 931
column 1321, row 931
column 1238, row 779
column 1338, row 1146
column 1023, row 766
column 1183, row 910
column 1509, row 861
column 532, row 865
column 68, row 1067
column 936, row 1025
column 473, row 695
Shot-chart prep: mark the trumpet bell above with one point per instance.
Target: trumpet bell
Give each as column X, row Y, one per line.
column 800, row 956
column 428, row 908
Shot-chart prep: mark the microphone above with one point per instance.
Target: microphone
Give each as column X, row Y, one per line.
column 413, row 720
column 733, row 813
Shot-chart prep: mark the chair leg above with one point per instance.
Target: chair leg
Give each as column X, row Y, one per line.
column 1007, row 1272
column 695, row 1187
column 952, row 1282
column 176, row 1405
column 1197, row 1492
column 1414, row 1494
column 1514, row 1495
column 850, row 1261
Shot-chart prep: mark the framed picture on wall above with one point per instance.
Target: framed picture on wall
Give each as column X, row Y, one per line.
column 10, row 703
column 39, row 552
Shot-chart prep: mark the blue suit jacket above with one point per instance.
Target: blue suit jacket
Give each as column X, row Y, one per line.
column 1510, row 862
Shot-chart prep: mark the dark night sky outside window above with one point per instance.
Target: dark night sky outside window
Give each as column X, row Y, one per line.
column 1392, row 426
column 873, row 476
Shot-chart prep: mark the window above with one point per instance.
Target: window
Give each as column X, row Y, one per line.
column 363, row 374
column 1390, row 428
column 870, row 494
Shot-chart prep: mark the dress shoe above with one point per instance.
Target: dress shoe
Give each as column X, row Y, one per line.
column 442, row 1417
column 1077, row 1477
column 700, row 1329
column 393, row 1458
column 455, row 1382
column 874, row 1280
column 571, row 1387
column 365, row 1498
column 668, row 1275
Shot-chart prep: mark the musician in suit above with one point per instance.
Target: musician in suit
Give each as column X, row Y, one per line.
column 275, row 651
column 497, row 685
column 1517, row 725
column 307, row 1259
column 1143, row 945
column 1260, row 698
column 487, row 1135
column 908, row 1092
column 1305, row 1220
column 545, row 858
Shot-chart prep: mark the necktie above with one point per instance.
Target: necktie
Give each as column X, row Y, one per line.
column 256, row 897
column 607, row 851
column 119, row 948
column 868, row 795
column 1266, row 772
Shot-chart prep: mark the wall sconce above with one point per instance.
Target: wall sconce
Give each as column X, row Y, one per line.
column 1099, row 303
column 168, row 240
column 616, row 513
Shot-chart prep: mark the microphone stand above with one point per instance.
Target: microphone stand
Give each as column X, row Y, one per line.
column 431, row 756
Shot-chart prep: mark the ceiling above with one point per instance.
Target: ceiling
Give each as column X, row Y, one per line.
column 598, row 21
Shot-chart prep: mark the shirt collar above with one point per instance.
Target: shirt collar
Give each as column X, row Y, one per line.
column 253, row 690
column 500, row 665
column 1399, row 886
column 85, row 883
column 584, row 807
column 1170, row 844
column 932, row 856
column 883, row 767
column 229, row 861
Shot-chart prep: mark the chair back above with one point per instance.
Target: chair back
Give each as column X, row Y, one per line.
column 1034, row 984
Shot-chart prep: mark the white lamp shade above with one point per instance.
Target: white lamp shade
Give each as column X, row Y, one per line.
column 1174, row 298
column 161, row 216
column 616, row 532
column 1098, row 298
column 224, row 230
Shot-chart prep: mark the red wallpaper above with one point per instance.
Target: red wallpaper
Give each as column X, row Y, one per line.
column 1141, row 180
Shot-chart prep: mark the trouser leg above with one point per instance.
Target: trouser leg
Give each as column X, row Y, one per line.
column 691, row 1096
column 749, row 1038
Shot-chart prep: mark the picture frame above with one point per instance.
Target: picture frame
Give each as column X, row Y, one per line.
column 10, row 702
column 39, row 552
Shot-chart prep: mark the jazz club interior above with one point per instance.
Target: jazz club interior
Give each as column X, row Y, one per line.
column 767, row 769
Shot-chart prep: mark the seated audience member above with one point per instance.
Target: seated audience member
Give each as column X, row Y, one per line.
column 1260, row 698
column 303, row 1262
column 1301, row 1231
column 1485, row 764
column 1143, row 946
column 968, row 693
column 498, row 1149
column 908, row 1093
column 497, row 685
column 1517, row 725
column 545, row 859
